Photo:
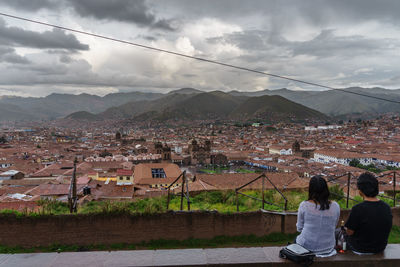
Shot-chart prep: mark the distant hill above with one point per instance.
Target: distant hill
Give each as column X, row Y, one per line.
column 10, row 112
column 60, row 105
column 337, row 103
column 186, row 91
column 82, row 115
column 132, row 104
column 214, row 105
column 274, row 107
column 134, row 108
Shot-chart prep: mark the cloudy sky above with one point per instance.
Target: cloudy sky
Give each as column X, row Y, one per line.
column 339, row 43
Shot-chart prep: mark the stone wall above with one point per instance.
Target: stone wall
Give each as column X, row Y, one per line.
column 112, row 229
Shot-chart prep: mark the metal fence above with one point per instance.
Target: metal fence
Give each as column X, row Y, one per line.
column 263, row 201
column 348, row 183
column 184, row 190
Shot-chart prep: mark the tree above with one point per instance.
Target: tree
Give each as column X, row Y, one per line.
column 105, row 153
column 354, row 163
column 3, row 140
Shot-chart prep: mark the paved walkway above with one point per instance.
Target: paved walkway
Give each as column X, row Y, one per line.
column 255, row 256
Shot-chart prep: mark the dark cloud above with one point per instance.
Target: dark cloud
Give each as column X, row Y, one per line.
column 354, row 10
column 30, row 5
column 327, row 44
column 56, row 38
column 282, row 12
column 7, row 54
column 65, row 59
column 14, row 58
column 6, row 50
column 120, row 10
column 332, row 42
column 253, row 40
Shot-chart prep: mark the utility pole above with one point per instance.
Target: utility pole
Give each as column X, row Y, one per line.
column 72, row 198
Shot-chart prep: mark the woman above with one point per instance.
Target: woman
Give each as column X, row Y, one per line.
column 317, row 219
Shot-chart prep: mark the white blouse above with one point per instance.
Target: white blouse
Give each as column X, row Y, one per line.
column 317, row 227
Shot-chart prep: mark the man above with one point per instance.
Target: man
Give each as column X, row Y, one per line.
column 370, row 222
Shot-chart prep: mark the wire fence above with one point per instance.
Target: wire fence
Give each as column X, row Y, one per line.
column 263, row 201
column 346, row 182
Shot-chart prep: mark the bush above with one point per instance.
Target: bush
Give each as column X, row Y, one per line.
column 354, row 163
column 52, row 206
column 336, row 193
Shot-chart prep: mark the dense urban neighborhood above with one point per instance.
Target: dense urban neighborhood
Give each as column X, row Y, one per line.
column 131, row 163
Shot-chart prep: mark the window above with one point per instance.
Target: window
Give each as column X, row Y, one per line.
column 120, row 178
column 128, row 178
column 158, row 173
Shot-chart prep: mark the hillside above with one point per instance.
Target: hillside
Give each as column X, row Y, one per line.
column 186, row 91
column 274, row 108
column 134, row 108
column 82, row 115
column 215, row 105
column 337, row 103
column 10, row 112
column 60, row 105
column 126, row 105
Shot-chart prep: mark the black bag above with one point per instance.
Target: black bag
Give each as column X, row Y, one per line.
column 298, row 254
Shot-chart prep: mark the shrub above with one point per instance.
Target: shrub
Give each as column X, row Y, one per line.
column 336, row 192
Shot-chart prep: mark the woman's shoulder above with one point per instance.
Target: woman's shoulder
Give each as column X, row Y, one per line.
column 335, row 205
column 306, row 204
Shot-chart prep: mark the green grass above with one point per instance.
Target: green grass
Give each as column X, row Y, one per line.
column 208, row 171
column 221, row 201
column 240, row 170
column 214, row 169
column 394, row 237
column 219, row 170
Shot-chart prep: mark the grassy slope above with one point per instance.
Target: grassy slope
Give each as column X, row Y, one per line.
column 268, row 105
column 82, row 115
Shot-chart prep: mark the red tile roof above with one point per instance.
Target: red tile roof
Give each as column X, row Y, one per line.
column 124, row 172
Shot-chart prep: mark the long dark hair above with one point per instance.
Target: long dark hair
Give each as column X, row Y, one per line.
column 318, row 192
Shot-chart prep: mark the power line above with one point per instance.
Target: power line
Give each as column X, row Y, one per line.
column 196, row 58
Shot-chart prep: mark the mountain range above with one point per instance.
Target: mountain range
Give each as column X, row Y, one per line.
column 214, row 105
column 339, row 103
column 193, row 103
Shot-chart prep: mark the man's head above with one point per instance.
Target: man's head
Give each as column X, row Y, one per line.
column 368, row 184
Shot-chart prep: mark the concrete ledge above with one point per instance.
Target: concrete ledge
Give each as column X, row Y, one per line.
column 254, row 256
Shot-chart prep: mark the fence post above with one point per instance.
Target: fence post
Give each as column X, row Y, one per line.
column 394, row 189
column 182, row 190
column 348, row 189
column 187, row 193
column 237, row 201
column 168, row 198
column 263, row 188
